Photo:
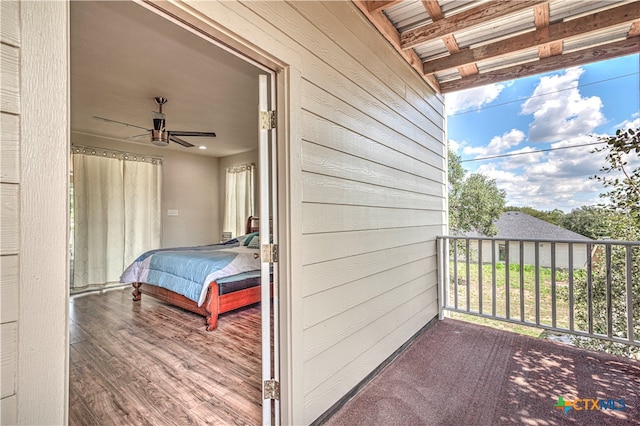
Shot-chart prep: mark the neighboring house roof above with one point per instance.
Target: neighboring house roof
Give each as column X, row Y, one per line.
column 523, row 226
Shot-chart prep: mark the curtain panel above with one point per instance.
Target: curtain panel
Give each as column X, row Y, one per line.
column 116, row 212
column 239, row 198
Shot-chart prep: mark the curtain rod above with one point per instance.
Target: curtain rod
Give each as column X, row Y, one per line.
column 114, row 153
column 240, row 167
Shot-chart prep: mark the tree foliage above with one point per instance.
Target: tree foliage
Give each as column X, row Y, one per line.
column 619, row 226
column 591, row 221
column 475, row 202
column 618, row 220
column 622, row 171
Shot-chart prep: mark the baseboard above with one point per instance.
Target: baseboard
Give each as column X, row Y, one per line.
column 340, row 403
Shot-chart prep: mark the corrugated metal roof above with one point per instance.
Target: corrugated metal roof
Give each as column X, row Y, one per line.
column 407, row 15
column 480, row 26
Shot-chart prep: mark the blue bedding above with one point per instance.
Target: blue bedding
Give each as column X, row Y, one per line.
column 189, row 270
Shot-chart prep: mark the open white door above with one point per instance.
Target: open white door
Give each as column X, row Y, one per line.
column 268, row 243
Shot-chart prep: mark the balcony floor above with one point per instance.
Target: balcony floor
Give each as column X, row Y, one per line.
column 457, row 373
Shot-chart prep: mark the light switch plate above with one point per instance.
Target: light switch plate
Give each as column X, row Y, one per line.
column 172, row 212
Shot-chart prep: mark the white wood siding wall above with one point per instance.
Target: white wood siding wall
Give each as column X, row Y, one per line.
column 373, row 194
column 373, row 201
column 34, row 211
column 9, row 202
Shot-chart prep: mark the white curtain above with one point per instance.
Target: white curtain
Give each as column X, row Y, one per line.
column 116, row 213
column 239, row 198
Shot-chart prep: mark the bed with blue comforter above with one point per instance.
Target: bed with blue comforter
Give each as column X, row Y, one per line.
column 208, row 280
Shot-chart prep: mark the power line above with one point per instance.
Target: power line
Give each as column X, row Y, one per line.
column 542, row 94
column 512, row 154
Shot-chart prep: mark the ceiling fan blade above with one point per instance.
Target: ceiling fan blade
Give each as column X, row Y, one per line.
column 108, row 120
column 180, row 141
column 141, row 135
column 184, row 133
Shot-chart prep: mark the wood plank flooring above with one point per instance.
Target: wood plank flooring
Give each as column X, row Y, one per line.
column 150, row 363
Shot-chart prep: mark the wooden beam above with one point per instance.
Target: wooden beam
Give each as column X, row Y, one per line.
column 634, row 30
column 380, row 5
column 470, row 18
column 433, row 9
column 541, row 19
column 553, row 33
column 581, row 57
column 389, row 31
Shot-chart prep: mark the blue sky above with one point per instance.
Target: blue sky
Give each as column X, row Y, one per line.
column 546, row 111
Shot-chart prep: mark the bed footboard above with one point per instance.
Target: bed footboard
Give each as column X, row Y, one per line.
column 214, row 303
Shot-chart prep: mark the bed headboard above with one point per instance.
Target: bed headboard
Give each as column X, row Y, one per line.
column 253, row 225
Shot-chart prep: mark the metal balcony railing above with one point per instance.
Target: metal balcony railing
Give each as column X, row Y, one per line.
column 584, row 288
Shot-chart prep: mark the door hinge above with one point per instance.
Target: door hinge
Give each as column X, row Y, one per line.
column 269, row 253
column 267, row 120
column 272, row 389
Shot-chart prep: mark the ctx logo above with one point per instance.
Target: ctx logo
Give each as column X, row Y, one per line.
column 590, row 404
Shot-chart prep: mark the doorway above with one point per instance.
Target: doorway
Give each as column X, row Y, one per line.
column 117, row 80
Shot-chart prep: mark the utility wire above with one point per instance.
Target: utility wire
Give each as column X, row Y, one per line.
column 512, row 154
column 540, row 95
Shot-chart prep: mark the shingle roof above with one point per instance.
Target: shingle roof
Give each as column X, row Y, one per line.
column 523, row 226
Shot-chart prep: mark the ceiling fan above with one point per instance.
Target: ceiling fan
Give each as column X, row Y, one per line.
column 160, row 136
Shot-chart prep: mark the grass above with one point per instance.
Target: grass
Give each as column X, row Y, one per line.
column 522, row 302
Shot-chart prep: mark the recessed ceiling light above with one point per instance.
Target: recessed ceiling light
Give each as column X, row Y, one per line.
column 202, row 147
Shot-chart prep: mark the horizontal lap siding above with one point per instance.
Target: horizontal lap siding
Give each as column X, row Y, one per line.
column 371, row 144
column 373, row 202
column 9, row 205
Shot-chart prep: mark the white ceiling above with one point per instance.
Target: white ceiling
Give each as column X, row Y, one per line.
column 123, row 55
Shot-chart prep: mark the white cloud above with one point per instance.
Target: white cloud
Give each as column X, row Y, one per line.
column 630, row 124
column 454, row 145
column 558, row 109
column 472, row 98
column 549, row 180
column 498, row 144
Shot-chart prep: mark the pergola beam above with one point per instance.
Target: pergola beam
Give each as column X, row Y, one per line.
column 470, row 18
column 625, row 47
column 554, row 33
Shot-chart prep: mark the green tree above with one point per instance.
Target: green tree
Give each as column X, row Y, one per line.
column 621, row 223
column 475, row 202
column 619, row 226
column 622, row 171
column 590, row 221
column 455, row 177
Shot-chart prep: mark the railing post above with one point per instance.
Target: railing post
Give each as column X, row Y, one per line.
column 609, row 295
column 571, row 301
column 441, row 283
column 480, row 276
column 629, row 260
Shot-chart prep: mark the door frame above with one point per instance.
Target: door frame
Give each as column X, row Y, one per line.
column 183, row 15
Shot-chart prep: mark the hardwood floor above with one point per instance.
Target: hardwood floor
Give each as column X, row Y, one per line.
column 150, row 363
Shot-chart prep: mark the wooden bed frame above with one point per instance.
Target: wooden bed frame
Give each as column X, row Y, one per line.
column 214, row 303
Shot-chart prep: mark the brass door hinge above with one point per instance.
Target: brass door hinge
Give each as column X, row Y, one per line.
column 268, row 120
column 270, row 253
column 271, row 389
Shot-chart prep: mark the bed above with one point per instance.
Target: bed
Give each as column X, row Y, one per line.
column 207, row 280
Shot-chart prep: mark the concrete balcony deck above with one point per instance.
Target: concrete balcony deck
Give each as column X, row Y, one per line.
column 457, row 373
